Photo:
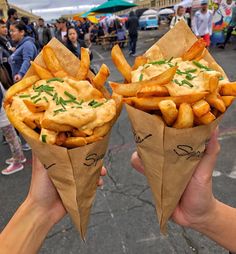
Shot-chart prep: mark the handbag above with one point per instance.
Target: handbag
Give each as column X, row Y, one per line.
column 5, row 78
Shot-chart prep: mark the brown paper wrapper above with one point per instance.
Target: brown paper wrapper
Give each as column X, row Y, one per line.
column 170, row 155
column 74, row 172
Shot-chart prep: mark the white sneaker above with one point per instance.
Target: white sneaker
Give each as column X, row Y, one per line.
column 13, row 168
column 11, row 160
column 26, row 147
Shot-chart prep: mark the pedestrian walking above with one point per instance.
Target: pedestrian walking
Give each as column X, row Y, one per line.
column 18, row 158
column 179, row 16
column 231, row 28
column 202, row 23
column 24, row 53
column 44, row 34
column 132, row 26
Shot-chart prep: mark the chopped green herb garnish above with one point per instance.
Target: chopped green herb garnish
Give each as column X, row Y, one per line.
column 201, row 66
column 147, row 66
column 170, row 59
column 24, row 95
column 97, row 105
column 221, row 78
column 77, row 102
column 179, row 72
column 91, row 103
column 190, row 77
column 158, row 62
column 55, row 79
column 45, row 98
column 44, row 138
column 58, row 111
column 70, row 95
column 49, row 93
column 39, row 99
column 36, row 96
column 190, row 71
column 185, row 82
column 141, row 77
column 177, row 82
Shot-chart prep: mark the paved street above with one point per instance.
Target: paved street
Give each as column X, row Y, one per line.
column 123, row 219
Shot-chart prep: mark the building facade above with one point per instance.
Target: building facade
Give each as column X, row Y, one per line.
column 156, row 4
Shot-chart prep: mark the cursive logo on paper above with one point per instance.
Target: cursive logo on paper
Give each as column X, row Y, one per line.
column 49, row 166
column 188, row 152
column 138, row 139
column 92, row 159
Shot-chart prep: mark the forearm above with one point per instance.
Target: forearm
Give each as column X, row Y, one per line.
column 26, row 230
column 221, row 226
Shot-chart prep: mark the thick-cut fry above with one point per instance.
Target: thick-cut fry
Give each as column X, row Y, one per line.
column 73, row 142
column 29, row 122
column 139, row 60
column 213, row 84
column 203, row 54
column 41, row 72
column 228, row 100
column 185, row 117
column 61, row 138
column 51, row 61
column 152, row 103
column 50, row 125
column 196, row 50
column 166, row 76
column 78, row 133
column 149, row 91
column 201, row 108
column 20, row 86
column 19, row 125
column 121, row 63
column 169, row 111
column 131, row 89
column 35, row 108
column 84, row 65
column 228, row 89
column 206, row 119
column 101, row 77
column 215, row 101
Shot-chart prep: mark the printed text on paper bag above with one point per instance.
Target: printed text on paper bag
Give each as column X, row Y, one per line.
column 92, row 159
column 139, row 139
column 187, row 152
column 49, row 166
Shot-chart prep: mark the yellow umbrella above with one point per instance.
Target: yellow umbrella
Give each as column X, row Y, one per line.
column 91, row 17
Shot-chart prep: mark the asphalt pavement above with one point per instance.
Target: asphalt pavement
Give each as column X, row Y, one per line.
column 123, row 219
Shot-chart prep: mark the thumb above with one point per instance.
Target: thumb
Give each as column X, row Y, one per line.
column 206, row 165
column 137, row 163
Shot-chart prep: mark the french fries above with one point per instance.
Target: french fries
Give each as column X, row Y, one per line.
column 185, row 117
column 121, row 63
column 185, row 91
column 61, row 109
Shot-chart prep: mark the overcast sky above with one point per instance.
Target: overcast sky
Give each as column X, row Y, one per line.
column 49, row 9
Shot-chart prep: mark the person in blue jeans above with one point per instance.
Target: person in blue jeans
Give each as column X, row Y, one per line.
column 25, row 50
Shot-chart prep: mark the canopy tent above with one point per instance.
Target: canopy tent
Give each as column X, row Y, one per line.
column 166, row 11
column 112, row 6
column 150, row 12
column 91, row 17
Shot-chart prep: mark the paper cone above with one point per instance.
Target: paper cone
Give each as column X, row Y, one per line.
column 74, row 172
column 170, row 155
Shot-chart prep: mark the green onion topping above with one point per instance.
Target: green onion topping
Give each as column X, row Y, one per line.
column 201, row 66
column 158, row 62
column 39, row 99
column 70, row 95
column 55, row 79
column 141, row 77
column 44, row 138
column 24, row 95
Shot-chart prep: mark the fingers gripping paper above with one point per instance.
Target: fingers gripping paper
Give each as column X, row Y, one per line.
column 170, row 155
column 74, row 173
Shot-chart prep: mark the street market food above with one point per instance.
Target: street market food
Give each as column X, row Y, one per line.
column 184, row 90
column 59, row 109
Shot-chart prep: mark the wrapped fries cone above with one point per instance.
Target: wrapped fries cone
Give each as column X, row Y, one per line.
column 170, row 155
column 74, row 172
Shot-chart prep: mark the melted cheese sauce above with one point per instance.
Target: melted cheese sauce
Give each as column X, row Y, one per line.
column 64, row 103
column 196, row 81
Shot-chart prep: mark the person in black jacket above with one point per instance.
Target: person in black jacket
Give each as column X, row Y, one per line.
column 74, row 44
column 5, row 50
column 132, row 26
